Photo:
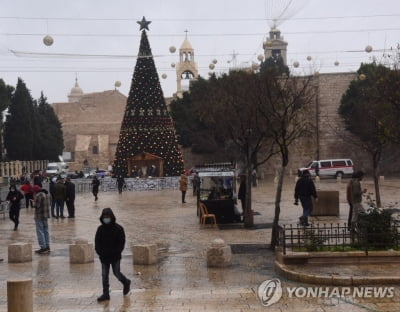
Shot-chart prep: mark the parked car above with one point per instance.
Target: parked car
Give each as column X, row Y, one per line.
column 329, row 168
column 100, row 173
column 55, row 168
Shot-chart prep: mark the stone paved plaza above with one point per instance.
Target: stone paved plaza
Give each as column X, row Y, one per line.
column 180, row 281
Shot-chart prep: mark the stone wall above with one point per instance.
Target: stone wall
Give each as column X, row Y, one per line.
column 332, row 141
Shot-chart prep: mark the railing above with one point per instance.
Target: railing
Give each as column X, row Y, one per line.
column 335, row 237
column 141, row 184
column 109, row 184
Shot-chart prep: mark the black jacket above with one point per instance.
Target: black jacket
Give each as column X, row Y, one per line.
column 95, row 184
column 70, row 191
column 305, row 187
column 14, row 197
column 109, row 239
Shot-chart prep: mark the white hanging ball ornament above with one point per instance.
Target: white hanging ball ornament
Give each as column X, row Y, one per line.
column 48, row 40
column 164, row 76
column 260, row 57
column 172, row 49
column 362, row 77
column 117, row 84
column 309, row 58
column 368, row 49
column 336, row 63
column 296, row 64
column 211, row 66
column 173, row 65
column 214, row 61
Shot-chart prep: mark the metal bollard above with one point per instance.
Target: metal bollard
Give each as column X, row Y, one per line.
column 19, row 295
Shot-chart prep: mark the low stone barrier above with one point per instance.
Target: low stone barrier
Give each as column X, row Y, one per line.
column 19, row 252
column 219, row 254
column 145, row 254
column 327, row 204
column 81, row 252
column 338, row 257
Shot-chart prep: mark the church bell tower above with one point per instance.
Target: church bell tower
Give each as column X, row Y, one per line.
column 186, row 69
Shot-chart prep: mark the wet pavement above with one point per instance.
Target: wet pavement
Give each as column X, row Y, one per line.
column 180, row 281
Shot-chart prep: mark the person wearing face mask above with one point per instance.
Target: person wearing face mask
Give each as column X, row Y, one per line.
column 109, row 244
column 14, row 197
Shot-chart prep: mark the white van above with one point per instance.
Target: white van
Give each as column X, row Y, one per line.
column 329, row 168
column 54, row 168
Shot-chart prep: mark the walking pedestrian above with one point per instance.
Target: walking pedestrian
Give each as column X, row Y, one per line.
column 109, row 244
column 305, row 190
column 60, row 195
column 120, row 183
column 52, row 194
column 41, row 204
column 70, row 197
column 349, row 201
column 95, row 187
column 196, row 184
column 14, row 198
column 26, row 188
column 242, row 194
column 183, row 184
column 254, row 178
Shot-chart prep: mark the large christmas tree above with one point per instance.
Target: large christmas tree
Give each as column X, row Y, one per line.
column 147, row 126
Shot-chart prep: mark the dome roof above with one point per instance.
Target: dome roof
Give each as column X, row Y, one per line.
column 76, row 90
column 186, row 45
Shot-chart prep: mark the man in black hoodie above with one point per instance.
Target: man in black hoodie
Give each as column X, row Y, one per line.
column 304, row 190
column 109, row 244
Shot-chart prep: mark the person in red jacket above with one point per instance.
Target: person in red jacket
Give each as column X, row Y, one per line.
column 26, row 188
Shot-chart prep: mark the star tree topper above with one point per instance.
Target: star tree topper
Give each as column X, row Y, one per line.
column 144, row 24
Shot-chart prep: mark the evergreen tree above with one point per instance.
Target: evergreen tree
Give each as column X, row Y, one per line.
column 147, row 125
column 5, row 100
column 50, row 144
column 18, row 138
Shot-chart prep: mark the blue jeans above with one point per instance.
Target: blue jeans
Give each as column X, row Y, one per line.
column 42, row 232
column 105, row 271
column 59, row 207
column 307, row 205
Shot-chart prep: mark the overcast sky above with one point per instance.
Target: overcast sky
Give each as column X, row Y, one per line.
column 99, row 39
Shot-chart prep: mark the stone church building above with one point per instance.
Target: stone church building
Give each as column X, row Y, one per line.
column 91, row 123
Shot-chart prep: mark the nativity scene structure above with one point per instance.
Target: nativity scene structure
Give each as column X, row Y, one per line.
column 147, row 140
